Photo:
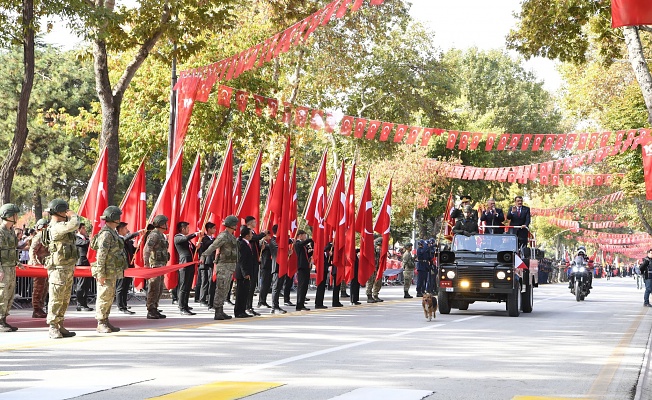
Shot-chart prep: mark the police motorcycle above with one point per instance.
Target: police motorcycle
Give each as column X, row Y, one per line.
column 579, row 279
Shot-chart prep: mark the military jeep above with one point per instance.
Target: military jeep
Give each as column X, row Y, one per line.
column 486, row 267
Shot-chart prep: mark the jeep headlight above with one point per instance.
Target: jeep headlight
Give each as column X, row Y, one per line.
column 582, row 269
column 450, row 274
column 501, row 275
column 575, row 269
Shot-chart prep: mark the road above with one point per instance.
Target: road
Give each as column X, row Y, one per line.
column 594, row 349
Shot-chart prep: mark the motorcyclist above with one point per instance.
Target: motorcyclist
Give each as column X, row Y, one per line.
column 581, row 260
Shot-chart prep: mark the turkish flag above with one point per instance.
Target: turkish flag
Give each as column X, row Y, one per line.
column 475, row 140
column 250, row 204
column 400, row 132
column 527, row 138
column 134, row 213
column 224, row 96
column 95, row 199
column 330, row 123
column 301, row 116
column 317, row 119
column 385, row 131
column 373, row 128
column 427, row 134
column 336, row 219
column 413, row 133
column 491, row 139
column 570, row 140
column 206, row 83
column 559, row 141
column 279, row 206
column 314, row 216
column 364, row 224
column 581, row 145
column 646, row 149
column 382, row 226
column 294, row 220
column 186, row 92
column 452, row 139
column 346, row 125
column 513, row 143
column 504, row 138
column 464, row 140
column 360, row 125
column 220, row 203
column 241, row 98
column 538, row 139
column 272, row 104
column 630, row 13
column 349, row 246
column 191, row 204
column 260, row 103
column 604, row 138
column 550, row 141
column 287, row 113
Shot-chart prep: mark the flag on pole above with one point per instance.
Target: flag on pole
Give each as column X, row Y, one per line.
column 294, row 227
column 207, row 200
column 192, row 198
column 279, row 206
column 314, row 216
column 336, row 220
column 382, row 226
column 349, row 247
column 95, row 199
column 134, row 214
column 364, row 224
column 221, row 202
column 250, row 204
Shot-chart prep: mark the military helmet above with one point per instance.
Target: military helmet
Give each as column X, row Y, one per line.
column 160, row 221
column 111, row 214
column 58, row 206
column 8, row 210
column 378, row 241
column 408, row 244
column 41, row 223
column 231, row 221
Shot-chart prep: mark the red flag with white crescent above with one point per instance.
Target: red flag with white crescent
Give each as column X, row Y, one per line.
column 95, row 200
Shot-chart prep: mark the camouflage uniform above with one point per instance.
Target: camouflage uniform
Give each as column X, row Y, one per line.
column 110, row 264
column 225, row 264
column 155, row 254
column 61, row 267
column 373, row 285
column 8, row 263
column 37, row 255
column 408, row 270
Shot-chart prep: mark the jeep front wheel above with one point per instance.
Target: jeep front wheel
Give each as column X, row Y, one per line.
column 444, row 303
column 513, row 302
column 527, row 299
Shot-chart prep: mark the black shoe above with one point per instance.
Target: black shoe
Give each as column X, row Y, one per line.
column 264, row 305
column 419, row 295
column 371, row 300
column 158, row 310
column 278, row 310
column 175, row 301
column 230, row 302
column 338, row 305
column 152, row 315
column 253, row 312
column 378, row 299
column 289, row 303
column 203, row 303
column 161, row 316
column 185, row 311
column 344, row 295
column 303, row 309
column 128, row 308
column 86, row 308
column 211, row 308
column 647, row 305
column 356, row 303
column 320, row 307
column 407, row 296
column 243, row 315
column 307, row 299
column 125, row 311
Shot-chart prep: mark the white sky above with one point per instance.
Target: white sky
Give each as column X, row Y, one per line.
column 457, row 24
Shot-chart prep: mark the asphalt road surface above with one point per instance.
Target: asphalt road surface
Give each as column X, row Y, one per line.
column 595, row 349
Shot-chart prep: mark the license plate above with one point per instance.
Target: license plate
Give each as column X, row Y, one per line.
column 449, row 289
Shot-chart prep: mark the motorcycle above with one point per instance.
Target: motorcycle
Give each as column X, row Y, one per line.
column 580, row 281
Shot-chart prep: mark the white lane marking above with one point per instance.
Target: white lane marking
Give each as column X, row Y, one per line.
column 383, row 393
column 468, row 318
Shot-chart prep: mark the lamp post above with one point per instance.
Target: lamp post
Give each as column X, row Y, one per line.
column 557, row 242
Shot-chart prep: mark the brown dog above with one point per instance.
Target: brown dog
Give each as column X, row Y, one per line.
column 429, row 303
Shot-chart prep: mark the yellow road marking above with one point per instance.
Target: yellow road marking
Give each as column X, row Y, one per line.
column 3, row 373
column 221, row 391
column 606, row 374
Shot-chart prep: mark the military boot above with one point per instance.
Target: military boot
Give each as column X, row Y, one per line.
column 378, row 299
column 225, row 315
column 39, row 313
column 407, row 295
column 370, row 299
column 5, row 327
column 54, row 332
column 113, row 328
column 65, row 332
column 102, row 327
column 219, row 315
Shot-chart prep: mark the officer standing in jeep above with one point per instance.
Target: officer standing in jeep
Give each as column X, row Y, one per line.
column 8, row 263
column 225, row 263
column 155, row 255
column 110, row 265
column 60, row 238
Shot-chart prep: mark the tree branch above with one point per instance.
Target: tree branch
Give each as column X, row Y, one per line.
column 645, row 28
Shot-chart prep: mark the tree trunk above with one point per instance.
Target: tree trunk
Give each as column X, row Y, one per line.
column 640, row 66
column 641, row 215
column 37, row 206
column 9, row 165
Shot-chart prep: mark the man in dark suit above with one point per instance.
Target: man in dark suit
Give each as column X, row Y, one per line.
column 206, row 283
column 83, row 288
column 321, row 288
column 269, row 249
column 185, row 252
column 244, row 272
column 304, row 249
column 123, row 284
column 519, row 215
column 493, row 216
column 251, row 223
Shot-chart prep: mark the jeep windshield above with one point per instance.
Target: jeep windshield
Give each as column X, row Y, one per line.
column 484, row 243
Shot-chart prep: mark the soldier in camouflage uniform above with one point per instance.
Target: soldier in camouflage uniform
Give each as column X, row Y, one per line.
column 408, row 270
column 373, row 285
column 110, row 265
column 37, row 255
column 8, row 263
column 225, row 263
column 60, row 264
column 155, row 255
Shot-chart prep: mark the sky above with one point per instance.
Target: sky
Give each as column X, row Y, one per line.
column 457, row 24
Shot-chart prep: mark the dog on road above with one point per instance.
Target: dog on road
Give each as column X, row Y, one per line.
column 429, row 303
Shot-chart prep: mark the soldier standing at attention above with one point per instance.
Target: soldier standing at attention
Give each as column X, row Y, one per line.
column 408, row 270
column 110, row 265
column 60, row 264
column 225, row 263
column 37, row 254
column 83, row 284
column 155, row 255
column 373, row 284
column 8, row 263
